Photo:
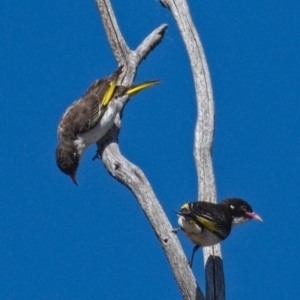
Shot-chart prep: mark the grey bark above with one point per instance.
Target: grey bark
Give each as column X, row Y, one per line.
column 133, row 177
column 215, row 285
column 129, row 174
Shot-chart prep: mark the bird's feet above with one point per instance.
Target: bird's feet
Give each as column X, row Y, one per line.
column 99, row 143
column 175, row 230
column 106, row 139
column 97, row 155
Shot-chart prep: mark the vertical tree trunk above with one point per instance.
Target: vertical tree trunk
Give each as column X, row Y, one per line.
column 133, row 177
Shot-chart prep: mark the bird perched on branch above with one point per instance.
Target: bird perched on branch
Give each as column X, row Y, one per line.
column 207, row 224
column 88, row 119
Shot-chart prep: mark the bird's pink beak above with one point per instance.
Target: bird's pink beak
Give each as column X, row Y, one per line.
column 73, row 177
column 255, row 216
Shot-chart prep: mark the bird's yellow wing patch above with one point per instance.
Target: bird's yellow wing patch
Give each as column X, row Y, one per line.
column 112, row 86
column 210, row 225
column 109, row 93
column 185, row 206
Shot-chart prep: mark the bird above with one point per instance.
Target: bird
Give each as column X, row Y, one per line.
column 88, row 119
column 207, row 224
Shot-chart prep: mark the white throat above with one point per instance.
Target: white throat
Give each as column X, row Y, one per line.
column 238, row 221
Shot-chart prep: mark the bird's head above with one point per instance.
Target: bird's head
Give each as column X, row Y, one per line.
column 67, row 159
column 240, row 210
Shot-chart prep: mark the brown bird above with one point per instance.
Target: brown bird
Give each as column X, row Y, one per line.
column 88, row 119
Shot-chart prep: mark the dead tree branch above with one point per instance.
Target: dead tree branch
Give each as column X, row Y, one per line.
column 129, row 174
column 215, row 286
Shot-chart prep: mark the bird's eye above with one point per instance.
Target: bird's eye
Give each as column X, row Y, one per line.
column 243, row 207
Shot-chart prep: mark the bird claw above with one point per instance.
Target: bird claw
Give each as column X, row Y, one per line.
column 98, row 151
column 97, row 155
column 175, row 230
column 100, row 142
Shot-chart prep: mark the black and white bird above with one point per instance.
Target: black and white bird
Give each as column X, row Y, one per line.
column 207, row 224
column 89, row 119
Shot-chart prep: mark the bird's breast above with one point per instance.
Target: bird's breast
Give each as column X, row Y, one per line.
column 196, row 234
column 103, row 126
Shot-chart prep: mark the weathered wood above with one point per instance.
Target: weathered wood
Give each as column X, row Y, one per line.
column 129, row 174
column 215, row 286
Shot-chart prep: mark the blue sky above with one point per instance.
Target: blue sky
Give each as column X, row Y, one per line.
column 59, row 241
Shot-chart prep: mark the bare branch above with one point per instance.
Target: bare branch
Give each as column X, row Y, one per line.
column 129, row 174
column 115, row 37
column 133, row 178
column 215, row 287
column 151, row 42
column 130, row 59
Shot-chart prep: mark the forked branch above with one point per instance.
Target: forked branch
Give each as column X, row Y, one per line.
column 129, row 174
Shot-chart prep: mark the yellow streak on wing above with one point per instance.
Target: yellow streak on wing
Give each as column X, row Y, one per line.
column 186, row 205
column 137, row 88
column 109, row 92
column 212, row 226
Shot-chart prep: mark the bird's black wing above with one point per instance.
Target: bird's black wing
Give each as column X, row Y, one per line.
column 210, row 216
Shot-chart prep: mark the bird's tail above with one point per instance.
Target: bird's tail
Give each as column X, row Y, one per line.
column 178, row 213
column 133, row 90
